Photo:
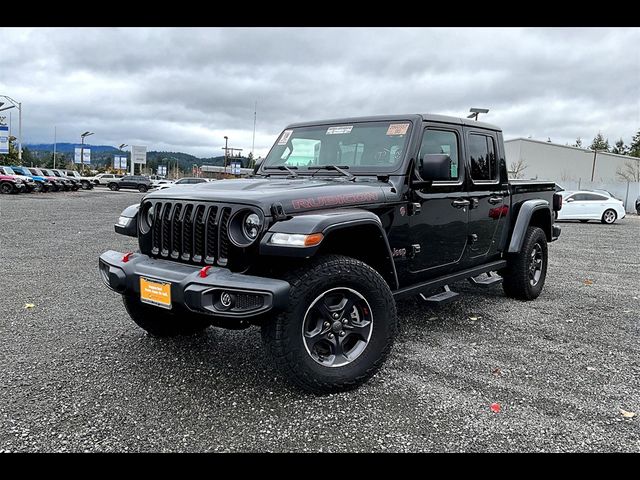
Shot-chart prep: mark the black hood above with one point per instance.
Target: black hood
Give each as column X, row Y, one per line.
column 295, row 194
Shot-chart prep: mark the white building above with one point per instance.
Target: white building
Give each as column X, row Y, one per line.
column 571, row 167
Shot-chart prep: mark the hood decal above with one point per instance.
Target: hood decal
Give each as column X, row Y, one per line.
column 333, row 200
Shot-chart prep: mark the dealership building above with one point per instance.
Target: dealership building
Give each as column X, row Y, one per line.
column 572, row 167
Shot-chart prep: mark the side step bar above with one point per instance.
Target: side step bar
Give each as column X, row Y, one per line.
column 447, row 279
column 488, row 281
column 440, row 298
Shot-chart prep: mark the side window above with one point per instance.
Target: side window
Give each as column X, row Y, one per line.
column 482, row 153
column 108, row 176
column 593, row 197
column 578, row 197
column 441, row 142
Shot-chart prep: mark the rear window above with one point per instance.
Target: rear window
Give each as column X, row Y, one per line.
column 482, row 153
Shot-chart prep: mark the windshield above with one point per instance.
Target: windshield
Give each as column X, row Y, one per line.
column 8, row 171
column 49, row 173
column 366, row 146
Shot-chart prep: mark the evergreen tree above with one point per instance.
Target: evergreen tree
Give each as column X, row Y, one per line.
column 634, row 148
column 620, row 148
column 600, row 143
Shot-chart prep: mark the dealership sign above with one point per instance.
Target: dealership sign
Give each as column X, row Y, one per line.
column 4, row 139
column 139, row 154
column 162, row 170
column 86, row 153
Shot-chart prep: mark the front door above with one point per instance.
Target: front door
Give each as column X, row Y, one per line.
column 439, row 230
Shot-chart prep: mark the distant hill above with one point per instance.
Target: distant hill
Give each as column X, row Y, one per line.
column 70, row 147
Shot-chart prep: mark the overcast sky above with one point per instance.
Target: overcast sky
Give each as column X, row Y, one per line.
column 183, row 89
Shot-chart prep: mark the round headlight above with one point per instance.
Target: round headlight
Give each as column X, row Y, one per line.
column 251, row 226
column 149, row 217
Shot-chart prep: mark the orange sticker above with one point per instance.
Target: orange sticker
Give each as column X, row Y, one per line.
column 397, row 129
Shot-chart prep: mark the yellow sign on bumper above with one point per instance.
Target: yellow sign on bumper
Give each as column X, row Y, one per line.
column 155, row 293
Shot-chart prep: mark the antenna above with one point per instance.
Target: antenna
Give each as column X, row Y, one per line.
column 255, row 114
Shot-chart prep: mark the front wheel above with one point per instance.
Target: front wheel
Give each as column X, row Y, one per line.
column 142, row 188
column 609, row 216
column 524, row 276
column 86, row 185
column 6, row 188
column 160, row 322
column 339, row 326
column 114, row 187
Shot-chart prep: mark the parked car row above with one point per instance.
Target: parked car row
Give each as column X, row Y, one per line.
column 16, row 179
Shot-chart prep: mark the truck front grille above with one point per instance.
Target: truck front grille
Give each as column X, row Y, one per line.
column 190, row 232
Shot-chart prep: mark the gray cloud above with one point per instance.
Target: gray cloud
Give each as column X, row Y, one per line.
column 185, row 88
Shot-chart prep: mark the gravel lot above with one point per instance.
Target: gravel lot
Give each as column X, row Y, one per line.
column 77, row 375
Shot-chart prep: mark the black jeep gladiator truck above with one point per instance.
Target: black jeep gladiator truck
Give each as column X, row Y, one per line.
column 341, row 219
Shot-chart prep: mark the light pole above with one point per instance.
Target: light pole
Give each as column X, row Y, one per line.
column 226, row 140
column 17, row 105
column 476, row 111
column 120, row 148
column 85, row 134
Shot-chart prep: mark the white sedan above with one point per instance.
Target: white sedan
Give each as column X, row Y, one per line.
column 585, row 206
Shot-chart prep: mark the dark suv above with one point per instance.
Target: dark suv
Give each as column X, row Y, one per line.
column 138, row 182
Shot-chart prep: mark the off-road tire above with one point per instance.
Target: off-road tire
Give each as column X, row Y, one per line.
column 516, row 280
column 114, row 187
column 160, row 322
column 283, row 338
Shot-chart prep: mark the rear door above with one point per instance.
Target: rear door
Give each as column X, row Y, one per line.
column 488, row 194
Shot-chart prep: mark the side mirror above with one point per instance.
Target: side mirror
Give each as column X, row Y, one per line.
column 569, row 200
column 435, row 167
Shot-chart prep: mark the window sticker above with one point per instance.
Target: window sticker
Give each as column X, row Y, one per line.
column 398, row 129
column 285, row 137
column 339, row 130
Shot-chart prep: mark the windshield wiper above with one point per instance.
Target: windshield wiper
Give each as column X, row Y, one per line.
column 336, row 168
column 284, row 167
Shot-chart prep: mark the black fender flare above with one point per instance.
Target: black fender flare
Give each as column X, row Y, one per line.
column 523, row 220
column 328, row 222
column 130, row 228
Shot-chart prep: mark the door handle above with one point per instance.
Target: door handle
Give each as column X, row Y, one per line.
column 460, row 203
column 495, row 200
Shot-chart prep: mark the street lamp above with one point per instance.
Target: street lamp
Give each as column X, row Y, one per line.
column 17, row 105
column 476, row 111
column 85, row 134
column 226, row 139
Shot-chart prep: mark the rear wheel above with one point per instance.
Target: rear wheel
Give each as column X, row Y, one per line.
column 339, row 326
column 160, row 322
column 114, row 187
column 526, row 271
column 609, row 216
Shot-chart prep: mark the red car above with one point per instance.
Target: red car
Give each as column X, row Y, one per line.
column 11, row 184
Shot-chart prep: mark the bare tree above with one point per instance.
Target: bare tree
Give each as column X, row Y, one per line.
column 630, row 171
column 516, row 169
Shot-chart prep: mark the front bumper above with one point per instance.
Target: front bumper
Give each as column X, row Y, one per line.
column 250, row 295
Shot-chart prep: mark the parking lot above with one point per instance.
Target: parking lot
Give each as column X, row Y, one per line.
column 78, row 375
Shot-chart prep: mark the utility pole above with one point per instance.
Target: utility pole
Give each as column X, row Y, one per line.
column 593, row 169
column 55, row 141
